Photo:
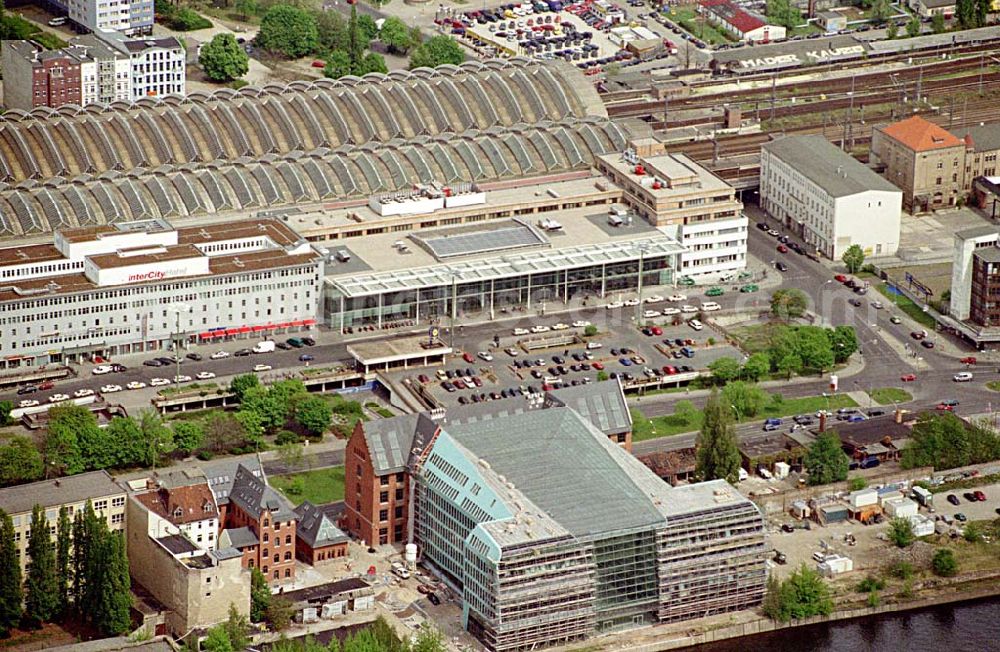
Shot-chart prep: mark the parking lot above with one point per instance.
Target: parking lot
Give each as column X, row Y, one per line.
column 487, row 370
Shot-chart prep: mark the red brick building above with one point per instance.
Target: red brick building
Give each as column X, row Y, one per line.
column 260, row 523
column 317, row 537
column 39, row 77
column 377, row 458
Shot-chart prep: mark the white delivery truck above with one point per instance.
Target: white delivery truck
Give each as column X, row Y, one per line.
column 266, row 346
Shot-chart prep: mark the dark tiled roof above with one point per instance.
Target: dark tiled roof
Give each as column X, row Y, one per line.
column 254, row 496
column 177, row 544
column 221, row 474
column 183, row 504
column 315, row 528
column 241, row 537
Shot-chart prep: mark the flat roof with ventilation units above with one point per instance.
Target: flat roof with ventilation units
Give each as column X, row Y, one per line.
column 480, row 239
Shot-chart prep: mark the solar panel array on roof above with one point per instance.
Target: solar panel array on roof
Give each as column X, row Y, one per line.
column 514, row 235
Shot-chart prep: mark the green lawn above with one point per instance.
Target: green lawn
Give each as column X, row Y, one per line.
column 904, row 303
column 886, row 395
column 994, row 385
column 383, row 412
column 687, row 17
column 675, row 424
column 318, row 487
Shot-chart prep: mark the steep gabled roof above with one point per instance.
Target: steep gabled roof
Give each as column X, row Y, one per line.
column 315, row 528
column 921, row 135
column 254, row 496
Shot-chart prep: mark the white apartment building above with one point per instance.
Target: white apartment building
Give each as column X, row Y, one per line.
column 685, row 201
column 157, row 67
column 828, row 197
column 107, row 76
column 138, row 286
column 184, row 504
column 128, row 17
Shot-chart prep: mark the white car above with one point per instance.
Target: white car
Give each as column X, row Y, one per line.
column 877, row 305
column 539, row 329
column 521, row 331
column 57, row 398
column 653, row 299
column 710, row 306
column 695, row 324
column 962, row 377
column 773, row 233
column 218, row 355
column 485, row 355
column 262, row 367
column 101, row 369
column 511, row 351
column 688, row 309
column 80, row 393
column 560, row 326
column 401, row 573
column 110, row 389
column 157, row 382
column 614, row 305
column 677, row 297
column 582, row 323
column 185, row 379
column 135, row 384
column 28, row 402
column 630, row 302
column 205, row 375
column 649, row 314
column 671, row 311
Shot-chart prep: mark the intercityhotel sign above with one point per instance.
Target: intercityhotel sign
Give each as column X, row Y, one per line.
column 156, row 275
column 811, row 57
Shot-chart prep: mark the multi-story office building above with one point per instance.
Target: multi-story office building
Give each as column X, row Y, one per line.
column 685, row 201
column 138, row 286
column 378, row 489
column 925, row 161
column 828, row 198
column 551, row 533
column 72, row 492
column 34, row 76
column 129, row 17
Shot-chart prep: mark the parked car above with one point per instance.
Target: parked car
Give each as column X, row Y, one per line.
column 908, row 378
column 953, row 499
column 962, row 377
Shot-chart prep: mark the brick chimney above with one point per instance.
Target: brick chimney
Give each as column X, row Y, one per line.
column 822, row 421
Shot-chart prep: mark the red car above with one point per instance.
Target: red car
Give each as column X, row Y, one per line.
column 782, row 249
column 597, row 365
column 656, row 330
column 968, row 360
column 908, row 378
column 980, row 496
column 840, row 278
column 48, row 384
column 468, row 357
column 459, row 383
column 319, row 64
column 670, row 371
column 945, row 407
column 918, row 335
column 476, row 381
column 423, row 378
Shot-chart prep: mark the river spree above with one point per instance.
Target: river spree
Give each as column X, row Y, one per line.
column 963, row 627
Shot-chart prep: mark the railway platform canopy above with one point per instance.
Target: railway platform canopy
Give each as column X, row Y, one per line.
column 398, row 353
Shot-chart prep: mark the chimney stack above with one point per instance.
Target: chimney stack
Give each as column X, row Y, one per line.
column 822, row 421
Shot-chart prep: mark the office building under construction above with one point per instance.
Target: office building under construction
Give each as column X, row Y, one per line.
column 552, row 533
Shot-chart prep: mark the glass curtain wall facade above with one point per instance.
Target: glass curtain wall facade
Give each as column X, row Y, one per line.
column 486, row 299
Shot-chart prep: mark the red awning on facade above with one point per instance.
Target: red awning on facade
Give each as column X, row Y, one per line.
column 232, row 331
column 244, row 329
column 309, row 322
column 284, row 325
column 257, row 329
column 296, row 323
column 205, row 336
column 269, row 327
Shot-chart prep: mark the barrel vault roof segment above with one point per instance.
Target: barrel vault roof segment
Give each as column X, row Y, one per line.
column 180, row 190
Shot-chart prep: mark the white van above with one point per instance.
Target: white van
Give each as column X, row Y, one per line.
column 266, row 346
column 594, row 345
column 614, row 220
column 710, row 306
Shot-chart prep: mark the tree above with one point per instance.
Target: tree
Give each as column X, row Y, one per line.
column 223, row 58
column 120, row 444
column 983, row 9
column 338, row 64
column 279, row 613
column 237, row 628
column 724, row 369
column 802, row 595
column 772, row 598
column 756, row 366
column 892, row 30
column 64, row 563
column 944, row 441
column 41, row 589
column 857, row 484
column 289, row 31
column 67, row 424
column 395, row 34
column 974, row 532
column 944, row 563
column 965, row 13
column 789, row 363
column 428, row 639
column 223, row 432
column 843, row 342
column 783, row 13
column 436, row 51
column 854, row 258
column 590, row 330
column 881, row 11
column 85, row 529
column 111, row 611
column 10, row 576
column 789, row 304
column 368, row 29
column 331, row 30
column 937, row 23
column 717, row 453
column 217, row 640
column 746, row 398
column 158, row 437
column 5, row 409
column 188, row 435
column 260, row 595
column 20, row 461
column 357, row 42
column 913, row 27
column 247, row 8
column 371, row 62
column 813, row 346
column 825, row 460
column 240, row 384
column 901, row 532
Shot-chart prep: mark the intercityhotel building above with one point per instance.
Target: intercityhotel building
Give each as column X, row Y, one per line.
column 138, row 286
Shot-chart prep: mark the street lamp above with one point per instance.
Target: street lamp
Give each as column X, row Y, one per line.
column 178, row 309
